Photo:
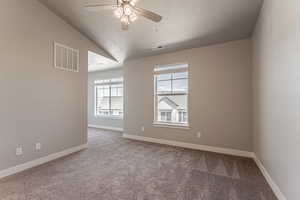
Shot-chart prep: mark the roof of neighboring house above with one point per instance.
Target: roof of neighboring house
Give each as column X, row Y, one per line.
column 172, row 102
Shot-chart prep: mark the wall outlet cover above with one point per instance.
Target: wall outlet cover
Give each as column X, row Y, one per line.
column 143, row 128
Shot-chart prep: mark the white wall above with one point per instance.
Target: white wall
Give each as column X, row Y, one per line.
column 101, row 121
column 38, row 102
column 276, row 81
column 220, row 95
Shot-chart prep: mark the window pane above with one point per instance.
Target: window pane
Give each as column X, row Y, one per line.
column 163, row 87
column 114, row 91
column 169, row 117
column 109, row 97
column 171, row 99
column 183, row 116
column 102, row 101
column 180, row 85
column 117, row 106
column 120, row 92
column 170, row 108
column 116, row 80
column 165, row 116
column 101, row 81
column 180, row 75
column 103, row 91
column 164, row 77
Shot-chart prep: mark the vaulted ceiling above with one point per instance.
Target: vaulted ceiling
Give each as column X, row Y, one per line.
column 185, row 24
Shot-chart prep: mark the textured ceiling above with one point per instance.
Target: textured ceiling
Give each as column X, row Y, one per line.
column 185, row 24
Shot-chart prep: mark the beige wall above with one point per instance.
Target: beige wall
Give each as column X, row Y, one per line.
column 277, row 93
column 101, row 121
column 38, row 102
column 219, row 102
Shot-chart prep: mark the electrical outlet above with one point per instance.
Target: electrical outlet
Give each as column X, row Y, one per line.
column 199, row 135
column 19, row 151
column 38, row 146
column 143, row 128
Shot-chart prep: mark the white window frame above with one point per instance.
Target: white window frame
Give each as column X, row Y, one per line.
column 166, row 69
column 108, row 82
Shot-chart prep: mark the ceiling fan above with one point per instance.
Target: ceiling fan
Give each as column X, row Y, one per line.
column 126, row 11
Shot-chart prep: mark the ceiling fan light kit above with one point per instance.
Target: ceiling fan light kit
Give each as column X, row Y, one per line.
column 126, row 11
column 119, row 12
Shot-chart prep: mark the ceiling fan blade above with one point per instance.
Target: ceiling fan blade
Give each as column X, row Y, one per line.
column 148, row 14
column 97, row 7
column 125, row 26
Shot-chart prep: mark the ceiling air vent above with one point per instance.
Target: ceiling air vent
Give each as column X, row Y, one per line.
column 66, row 58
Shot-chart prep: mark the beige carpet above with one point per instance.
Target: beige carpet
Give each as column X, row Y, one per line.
column 113, row 168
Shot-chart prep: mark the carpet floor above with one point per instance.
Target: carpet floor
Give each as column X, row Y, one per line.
column 113, row 168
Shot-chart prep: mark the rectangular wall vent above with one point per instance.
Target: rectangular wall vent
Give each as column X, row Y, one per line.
column 66, row 58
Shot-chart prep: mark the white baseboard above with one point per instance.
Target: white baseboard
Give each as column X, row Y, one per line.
column 106, row 127
column 39, row 161
column 234, row 152
column 269, row 179
column 191, row 146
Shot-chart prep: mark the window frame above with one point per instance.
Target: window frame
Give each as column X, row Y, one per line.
column 109, row 83
column 171, row 68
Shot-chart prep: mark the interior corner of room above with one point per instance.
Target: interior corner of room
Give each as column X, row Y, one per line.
column 140, row 99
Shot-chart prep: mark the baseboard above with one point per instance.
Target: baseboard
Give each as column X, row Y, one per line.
column 191, row 146
column 269, row 179
column 234, row 152
column 106, row 127
column 40, row 161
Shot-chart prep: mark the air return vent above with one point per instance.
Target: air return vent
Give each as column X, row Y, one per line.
column 66, row 58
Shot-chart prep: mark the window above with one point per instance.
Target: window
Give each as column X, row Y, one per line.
column 109, row 97
column 182, row 116
column 166, row 116
column 171, row 94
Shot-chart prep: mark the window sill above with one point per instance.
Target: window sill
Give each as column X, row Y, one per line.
column 169, row 125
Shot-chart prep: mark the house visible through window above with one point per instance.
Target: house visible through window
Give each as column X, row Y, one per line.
column 109, row 97
column 165, row 116
column 182, row 116
column 171, row 94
